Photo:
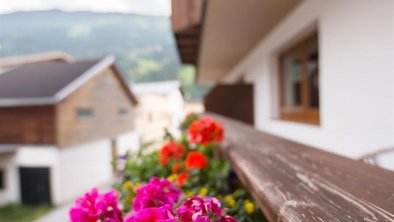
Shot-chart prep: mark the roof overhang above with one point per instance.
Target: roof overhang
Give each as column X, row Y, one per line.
column 228, row 31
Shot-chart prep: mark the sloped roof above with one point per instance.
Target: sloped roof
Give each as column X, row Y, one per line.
column 50, row 82
column 41, row 79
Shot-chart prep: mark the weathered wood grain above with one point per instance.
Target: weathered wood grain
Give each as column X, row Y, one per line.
column 27, row 125
column 103, row 95
column 294, row 182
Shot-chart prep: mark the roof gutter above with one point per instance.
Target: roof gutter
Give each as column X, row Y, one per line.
column 12, row 102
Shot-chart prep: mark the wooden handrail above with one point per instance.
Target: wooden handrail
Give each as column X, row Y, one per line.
column 295, row 182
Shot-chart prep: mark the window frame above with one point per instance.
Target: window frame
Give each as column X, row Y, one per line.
column 84, row 118
column 123, row 112
column 308, row 115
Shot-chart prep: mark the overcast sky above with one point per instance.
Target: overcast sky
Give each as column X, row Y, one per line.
column 150, row 7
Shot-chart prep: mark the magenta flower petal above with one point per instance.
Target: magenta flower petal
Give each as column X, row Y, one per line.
column 92, row 206
column 155, row 214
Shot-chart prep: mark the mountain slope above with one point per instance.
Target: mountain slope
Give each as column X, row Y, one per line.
column 143, row 45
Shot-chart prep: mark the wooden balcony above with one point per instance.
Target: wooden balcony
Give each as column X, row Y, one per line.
column 186, row 22
column 232, row 100
column 295, row 182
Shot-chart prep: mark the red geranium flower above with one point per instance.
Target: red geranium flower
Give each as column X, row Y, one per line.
column 171, row 151
column 182, row 177
column 196, row 160
column 205, row 130
column 176, row 168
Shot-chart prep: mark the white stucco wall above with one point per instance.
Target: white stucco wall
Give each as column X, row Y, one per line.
column 10, row 191
column 29, row 156
column 176, row 106
column 73, row 170
column 41, row 156
column 128, row 142
column 356, row 49
column 83, row 167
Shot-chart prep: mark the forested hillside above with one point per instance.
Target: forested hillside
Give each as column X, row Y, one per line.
column 143, row 45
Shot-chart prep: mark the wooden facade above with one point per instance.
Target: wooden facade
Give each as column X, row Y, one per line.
column 186, row 14
column 104, row 95
column 112, row 111
column 27, row 125
column 187, row 20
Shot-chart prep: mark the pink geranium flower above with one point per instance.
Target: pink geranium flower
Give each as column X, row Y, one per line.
column 155, row 214
column 156, row 193
column 92, row 207
column 202, row 209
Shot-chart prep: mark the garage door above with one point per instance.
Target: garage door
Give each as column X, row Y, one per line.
column 35, row 188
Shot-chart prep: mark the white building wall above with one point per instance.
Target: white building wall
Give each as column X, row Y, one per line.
column 29, row 156
column 83, row 167
column 356, row 49
column 40, row 156
column 128, row 142
column 10, row 192
column 73, row 170
column 176, row 106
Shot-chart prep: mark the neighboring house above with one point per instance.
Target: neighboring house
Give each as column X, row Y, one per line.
column 8, row 63
column 322, row 71
column 61, row 123
column 161, row 105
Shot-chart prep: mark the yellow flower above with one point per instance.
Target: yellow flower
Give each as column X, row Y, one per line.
column 129, row 201
column 172, row 178
column 203, row 191
column 127, row 185
column 237, row 192
column 249, row 206
column 229, row 200
column 189, row 194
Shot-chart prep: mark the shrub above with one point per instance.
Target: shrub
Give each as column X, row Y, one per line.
column 186, row 180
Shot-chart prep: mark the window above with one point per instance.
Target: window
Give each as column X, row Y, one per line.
column 2, row 179
column 84, row 113
column 122, row 112
column 299, row 82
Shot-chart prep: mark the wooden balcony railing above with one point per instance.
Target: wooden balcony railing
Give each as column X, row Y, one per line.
column 231, row 100
column 294, row 182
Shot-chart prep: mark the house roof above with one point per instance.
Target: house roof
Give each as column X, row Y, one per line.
column 156, row 88
column 50, row 82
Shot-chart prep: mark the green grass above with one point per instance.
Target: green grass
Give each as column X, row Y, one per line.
column 20, row 213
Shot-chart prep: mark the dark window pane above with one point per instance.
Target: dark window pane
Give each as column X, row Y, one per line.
column 313, row 73
column 2, row 179
column 291, row 81
column 85, row 113
column 123, row 112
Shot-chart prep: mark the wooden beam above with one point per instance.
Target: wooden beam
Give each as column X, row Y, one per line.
column 185, row 14
column 188, row 41
column 295, row 182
